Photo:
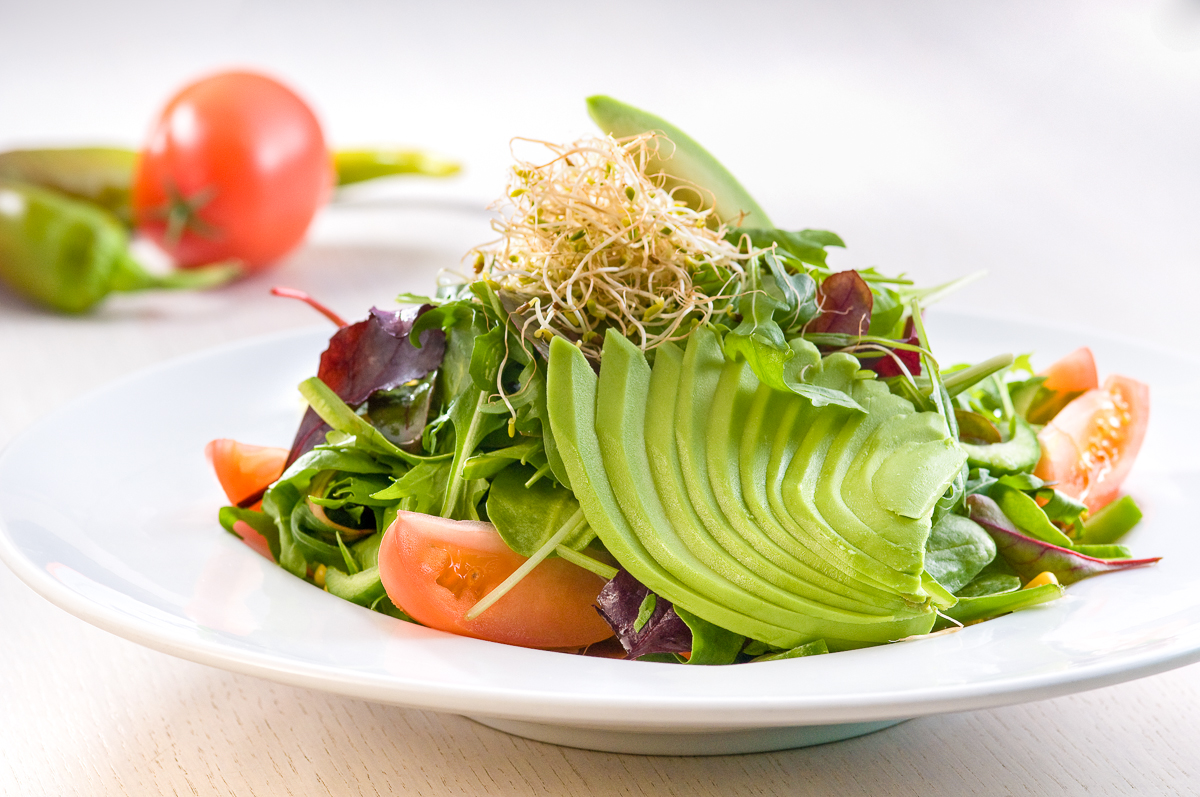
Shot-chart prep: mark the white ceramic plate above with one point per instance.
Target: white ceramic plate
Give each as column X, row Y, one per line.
column 108, row 509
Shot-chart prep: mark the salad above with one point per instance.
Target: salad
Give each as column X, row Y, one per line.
column 649, row 417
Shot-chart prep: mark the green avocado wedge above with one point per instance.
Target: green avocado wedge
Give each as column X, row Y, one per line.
column 640, row 446
column 727, row 553
column 762, row 415
column 621, row 400
column 571, row 402
column 689, row 166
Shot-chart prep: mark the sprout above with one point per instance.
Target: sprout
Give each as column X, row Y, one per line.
column 589, row 242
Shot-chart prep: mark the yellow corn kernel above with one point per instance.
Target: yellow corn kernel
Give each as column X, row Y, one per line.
column 1041, row 579
column 319, row 576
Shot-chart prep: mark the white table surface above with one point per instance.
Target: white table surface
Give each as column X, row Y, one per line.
column 1054, row 145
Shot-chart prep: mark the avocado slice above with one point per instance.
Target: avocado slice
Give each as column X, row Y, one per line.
column 621, row 400
column 726, row 406
column 847, row 445
column 722, row 548
column 689, row 166
column 801, row 444
column 1017, row 455
column 658, row 512
column 766, row 409
column 571, row 402
column 673, row 471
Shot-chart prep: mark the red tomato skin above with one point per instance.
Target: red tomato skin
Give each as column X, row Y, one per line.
column 1090, row 446
column 257, row 542
column 1075, row 372
column 255, row 148
column 244, row 469
column 437, row 569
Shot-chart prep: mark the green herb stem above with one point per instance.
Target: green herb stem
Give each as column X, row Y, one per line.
column 606, row 572
column 573, row 523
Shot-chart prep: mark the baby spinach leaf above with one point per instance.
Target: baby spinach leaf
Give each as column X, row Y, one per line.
column 1030, row 557
column 486, row 357
column 990, row 584
column 956, row 551
column 527, row 517
column 400, row 414
column 798, row 293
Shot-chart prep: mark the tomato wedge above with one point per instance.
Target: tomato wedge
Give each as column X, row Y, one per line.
column 1091, row 444
column 244, row 470
column 1066, row 380
column 1075, row 372
column 437, row 569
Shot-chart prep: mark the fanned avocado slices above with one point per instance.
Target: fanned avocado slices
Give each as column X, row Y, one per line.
column 785, row 535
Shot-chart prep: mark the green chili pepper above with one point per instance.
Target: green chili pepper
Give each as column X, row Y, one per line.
column 67, row 254
column 100, row 175
column 104, row 175
column 355, row 166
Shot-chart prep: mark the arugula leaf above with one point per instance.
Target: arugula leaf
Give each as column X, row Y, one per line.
column 421, row 489
column 488, row 463
column 333, row 411
column 471, row 425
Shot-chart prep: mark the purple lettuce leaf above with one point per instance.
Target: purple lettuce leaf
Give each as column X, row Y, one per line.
column 620, row 602
column 374, row 354
column 845, row 300
column 1029, row 556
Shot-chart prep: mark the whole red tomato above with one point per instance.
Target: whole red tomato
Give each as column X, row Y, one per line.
column 235, row 167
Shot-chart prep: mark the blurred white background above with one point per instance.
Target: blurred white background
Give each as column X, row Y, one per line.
column 1053, row 144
